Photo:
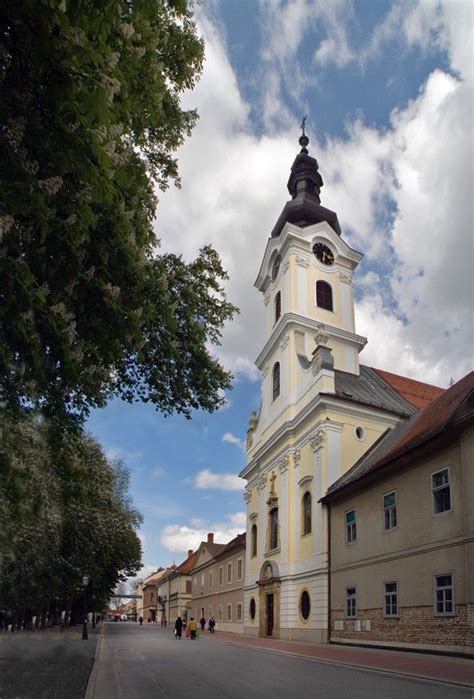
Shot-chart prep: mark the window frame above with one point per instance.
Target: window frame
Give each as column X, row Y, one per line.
column 220, row 576
column 229, row 572
column 437, row 588
column 273, row 529
column 253, row 541
column 239, row 612
column 438, row 488
column 350, row 527
column 306, row 531
column 240, row 565
column 386, row 594
column 276, row 382
column 389, row 509
column 211, row 579
column 220, row 612
column 351, row 613
column 277, row 307
column 229, row 609
column 304, row 619
column 324, row 294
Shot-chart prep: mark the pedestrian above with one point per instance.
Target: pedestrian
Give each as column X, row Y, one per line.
column 212, row 624
column 202, row 621
column 192, row 626
column 165, row 621
column 141, row 621
column 178, row 628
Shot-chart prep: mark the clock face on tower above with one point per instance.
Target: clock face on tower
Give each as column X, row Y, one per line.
column 323, row 253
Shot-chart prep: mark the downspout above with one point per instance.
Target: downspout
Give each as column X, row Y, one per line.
column 329, row 570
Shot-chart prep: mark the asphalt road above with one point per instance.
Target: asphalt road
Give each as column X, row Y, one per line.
column 137, row 663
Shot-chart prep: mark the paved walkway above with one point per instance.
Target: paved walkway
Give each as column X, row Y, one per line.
column 437, row 667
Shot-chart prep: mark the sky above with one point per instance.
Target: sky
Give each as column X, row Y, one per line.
column 387, row 88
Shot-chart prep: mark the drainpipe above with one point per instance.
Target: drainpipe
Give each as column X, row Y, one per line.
column 329, row 569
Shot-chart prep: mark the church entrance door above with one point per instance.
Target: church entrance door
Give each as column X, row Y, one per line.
column 270, row 615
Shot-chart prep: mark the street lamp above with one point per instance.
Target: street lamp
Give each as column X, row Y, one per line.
column 85, row 583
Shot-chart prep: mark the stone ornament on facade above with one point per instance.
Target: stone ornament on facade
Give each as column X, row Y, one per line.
column 262, row 481
column 296, row 457
column 284, row 463
column 345, row 278
column 316, row 442
column 266, row 298
column 286, row 266
column 316, row 365
column 284, row 343
column 302, row 262
column 321, row 338
column 265, row 370
column 248, row 495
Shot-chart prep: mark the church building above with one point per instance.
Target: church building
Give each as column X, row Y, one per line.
column 321, row 411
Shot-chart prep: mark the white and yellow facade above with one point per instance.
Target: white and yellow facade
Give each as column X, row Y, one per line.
column 310, row 431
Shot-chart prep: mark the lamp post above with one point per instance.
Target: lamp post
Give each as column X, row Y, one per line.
column 85, row 583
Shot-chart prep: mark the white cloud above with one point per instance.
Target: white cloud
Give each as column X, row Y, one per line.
column 179, row 538
column 209, row 480
column 158, row 472
column 232, row 439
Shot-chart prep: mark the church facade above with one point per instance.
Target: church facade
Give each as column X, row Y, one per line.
column 321, row 411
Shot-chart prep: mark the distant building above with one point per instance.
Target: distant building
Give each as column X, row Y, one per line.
column 218, row 580
column 149, row 605
column 174, row 591
column 401, row 524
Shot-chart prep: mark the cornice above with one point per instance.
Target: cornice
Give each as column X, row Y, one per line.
column 290, row 321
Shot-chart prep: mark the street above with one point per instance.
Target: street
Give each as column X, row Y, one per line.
column 150, row 662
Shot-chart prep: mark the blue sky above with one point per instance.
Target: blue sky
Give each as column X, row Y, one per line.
column 387, row 87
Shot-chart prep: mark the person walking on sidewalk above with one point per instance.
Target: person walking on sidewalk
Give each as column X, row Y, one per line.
column 212, row 624
column 202, row 621
column 178, row 628
column 192, row 626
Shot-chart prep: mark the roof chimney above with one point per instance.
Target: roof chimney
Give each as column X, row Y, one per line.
column 210, row 538
column 190, row 553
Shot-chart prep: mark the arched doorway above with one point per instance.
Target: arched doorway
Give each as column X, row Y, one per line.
column 269, row 594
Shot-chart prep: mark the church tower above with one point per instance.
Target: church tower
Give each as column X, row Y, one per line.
column 320, row 410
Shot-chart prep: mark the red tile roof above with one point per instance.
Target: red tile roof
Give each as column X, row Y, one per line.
column 417, row 393
column 187, row 565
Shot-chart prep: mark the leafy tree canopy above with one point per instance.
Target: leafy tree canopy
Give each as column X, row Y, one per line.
column 90, row 116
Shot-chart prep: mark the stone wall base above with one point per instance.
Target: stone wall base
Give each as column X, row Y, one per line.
column 416, row 626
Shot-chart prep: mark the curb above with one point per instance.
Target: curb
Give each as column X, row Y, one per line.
column 90, row 691
column 355, row 666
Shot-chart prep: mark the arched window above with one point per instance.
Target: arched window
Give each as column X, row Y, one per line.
column 324, row 295
column 277, row 306
column 306, row 513
column 276, row 380
column 252, row 609
column 305, row 605
column 273, row 515
column 253, row 537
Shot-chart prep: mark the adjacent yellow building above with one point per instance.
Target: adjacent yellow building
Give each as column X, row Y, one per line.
column 321, row 411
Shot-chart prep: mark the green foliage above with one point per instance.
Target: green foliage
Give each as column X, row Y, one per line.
column 65, row 512
column 90, row 116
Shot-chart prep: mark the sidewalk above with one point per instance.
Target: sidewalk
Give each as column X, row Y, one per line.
column 47, row 663
column 442, row 668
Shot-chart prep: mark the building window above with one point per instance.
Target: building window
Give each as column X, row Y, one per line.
column 239, row 611
column 253, row 540
column 351, row 530
column 306, row 513
column 195, row 582
column 252, row 609
column 390, row 510
column 441, row 488
column 229, row 612
column 273, row 516
column 305, row 605
column 324, row 295
column 220, row 575
column 239, row 569
column 202, row 581
column 276, row 380
column 189, row 588
column 391, row 599
column 351, row 608
column 210, row 581
column 444, row 597
column 221, row 613
column 360, row 433
column 229, row 572
column 277, row 306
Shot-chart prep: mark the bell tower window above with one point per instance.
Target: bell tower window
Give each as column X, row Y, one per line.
column 277, row 306
column 324, row 295
column 273, row 517
column 276, row 380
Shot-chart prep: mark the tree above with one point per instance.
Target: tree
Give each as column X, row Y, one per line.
column 65, row 512
column 90, row 116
